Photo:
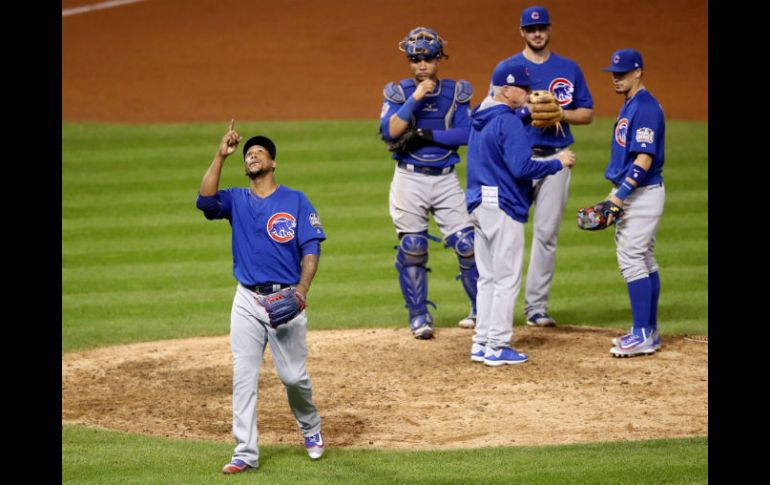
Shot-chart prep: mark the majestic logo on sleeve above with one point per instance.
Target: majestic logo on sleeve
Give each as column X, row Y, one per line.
column 562, row 89
column 281, row 227
column 645, row 135
column 620, row 132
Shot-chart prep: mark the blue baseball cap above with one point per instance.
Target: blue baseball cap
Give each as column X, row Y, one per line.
column 535, row 16
column 625, row 60
column 511, row 73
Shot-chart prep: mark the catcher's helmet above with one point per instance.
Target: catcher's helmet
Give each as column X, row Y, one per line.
column 423, row 43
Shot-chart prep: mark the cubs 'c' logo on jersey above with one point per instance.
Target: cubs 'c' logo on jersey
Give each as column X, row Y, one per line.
column 562, row 89
column 281, row 227
column 620, row 132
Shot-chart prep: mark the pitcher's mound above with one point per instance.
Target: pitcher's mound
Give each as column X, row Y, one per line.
column 382, row 388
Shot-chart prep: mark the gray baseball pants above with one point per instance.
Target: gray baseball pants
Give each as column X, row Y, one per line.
column 499, row 248
column 636, row 230
column 249, row 333
column 550, row 198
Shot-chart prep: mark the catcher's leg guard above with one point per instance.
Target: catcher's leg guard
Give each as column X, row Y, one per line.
column 462, row 244
column 411, row 259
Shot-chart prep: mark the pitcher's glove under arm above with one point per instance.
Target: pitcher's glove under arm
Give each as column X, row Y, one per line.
column 282, row 306
column 546, row 111
column 600, row 216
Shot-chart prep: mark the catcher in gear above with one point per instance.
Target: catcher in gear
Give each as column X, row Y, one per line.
column 424, row 121
column 276, row 245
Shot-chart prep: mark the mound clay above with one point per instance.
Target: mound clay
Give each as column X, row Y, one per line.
column 384, row 389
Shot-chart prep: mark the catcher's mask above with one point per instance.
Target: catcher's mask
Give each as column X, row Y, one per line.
column 422, row 43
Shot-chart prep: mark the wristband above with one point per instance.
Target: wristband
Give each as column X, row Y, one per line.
column 405, row 113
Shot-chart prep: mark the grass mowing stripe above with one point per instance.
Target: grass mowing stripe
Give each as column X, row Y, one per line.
column 136, row 250
column 91, row 456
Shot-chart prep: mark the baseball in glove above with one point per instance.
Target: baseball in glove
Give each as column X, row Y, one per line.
column 282, row 306
column 546, row 111
column 600, row 216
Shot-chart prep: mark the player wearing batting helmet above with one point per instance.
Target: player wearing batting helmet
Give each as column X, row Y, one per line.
column 424, row 120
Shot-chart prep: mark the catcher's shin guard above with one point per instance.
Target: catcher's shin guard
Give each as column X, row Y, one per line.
column 462, row 243
column 411, row 259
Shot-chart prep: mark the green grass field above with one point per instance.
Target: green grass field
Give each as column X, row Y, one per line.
column 139, row 263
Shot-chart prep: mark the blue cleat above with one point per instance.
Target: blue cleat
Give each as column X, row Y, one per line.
column 503, row 356
column 477, row 352
column 541, row 320
column 237, row 466
column 422, row 326
column 639, row 341
column 315, row 445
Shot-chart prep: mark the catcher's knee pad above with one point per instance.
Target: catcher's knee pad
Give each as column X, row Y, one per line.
column 462, row 243
column 412, row 274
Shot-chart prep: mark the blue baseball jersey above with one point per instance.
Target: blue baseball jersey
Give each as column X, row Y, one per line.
column 563, row 78
column 640, row 128
column 270, row 235
column 437, row 111
column 499, row 159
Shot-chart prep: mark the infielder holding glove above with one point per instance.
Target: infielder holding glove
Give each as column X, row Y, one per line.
column 560, row 98
column 276, row 243
column 635, row 205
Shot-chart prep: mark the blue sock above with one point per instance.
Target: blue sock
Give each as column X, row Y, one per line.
column 640, row 292
column 655, row 283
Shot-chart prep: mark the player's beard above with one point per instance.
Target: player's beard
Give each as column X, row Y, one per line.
column 260, row 172
column 538, row 49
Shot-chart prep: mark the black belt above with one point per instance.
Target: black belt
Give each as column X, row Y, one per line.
column 426, row 170
column 542, row 152
column 267, row 288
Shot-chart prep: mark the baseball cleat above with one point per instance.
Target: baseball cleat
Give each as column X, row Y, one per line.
column 468, row 322
column 315, row 445
column 422, row 326
column 640, row 341
column 237, row 466
column 477, row 352
column 541, row 320
column 655, row 341
column 503, row 356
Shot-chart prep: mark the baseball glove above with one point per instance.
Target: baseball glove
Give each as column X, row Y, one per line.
column 282, row 306
column 598, row 217
column 545, row 110
column 405, row 142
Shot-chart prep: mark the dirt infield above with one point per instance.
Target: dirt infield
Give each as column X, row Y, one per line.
column 210, row 60
column 384, row 389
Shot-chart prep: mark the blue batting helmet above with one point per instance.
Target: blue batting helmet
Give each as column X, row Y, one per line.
column 423, row 43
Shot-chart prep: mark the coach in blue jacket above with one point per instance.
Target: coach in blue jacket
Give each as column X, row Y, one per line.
column 499, row 193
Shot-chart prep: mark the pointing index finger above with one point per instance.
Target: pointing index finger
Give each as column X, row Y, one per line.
column 232, row 124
